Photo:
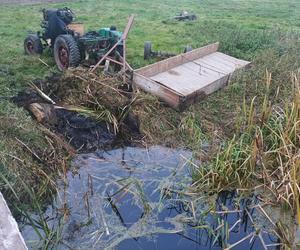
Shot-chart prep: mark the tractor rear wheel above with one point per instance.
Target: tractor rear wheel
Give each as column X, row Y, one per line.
column 66, row 52
column 33, row 45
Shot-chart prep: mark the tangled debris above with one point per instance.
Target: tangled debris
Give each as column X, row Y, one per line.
column 91, row 112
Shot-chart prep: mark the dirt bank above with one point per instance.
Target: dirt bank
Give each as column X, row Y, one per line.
column 90, row 115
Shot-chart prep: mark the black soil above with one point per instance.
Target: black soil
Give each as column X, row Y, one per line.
column 84, row 133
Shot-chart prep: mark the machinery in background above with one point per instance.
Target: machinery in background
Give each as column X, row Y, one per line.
column 70, row 45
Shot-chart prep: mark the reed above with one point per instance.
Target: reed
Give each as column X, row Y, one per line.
column 265, row 154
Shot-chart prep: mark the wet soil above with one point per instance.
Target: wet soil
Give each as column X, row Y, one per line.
column 84, row 133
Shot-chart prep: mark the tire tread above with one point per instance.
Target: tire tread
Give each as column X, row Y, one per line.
column 74, row 53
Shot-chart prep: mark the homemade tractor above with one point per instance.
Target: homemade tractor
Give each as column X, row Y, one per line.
column 68, row 42
column 185, row 16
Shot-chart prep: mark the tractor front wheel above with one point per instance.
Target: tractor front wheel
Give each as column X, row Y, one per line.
column 33, row 45
column 66, row 52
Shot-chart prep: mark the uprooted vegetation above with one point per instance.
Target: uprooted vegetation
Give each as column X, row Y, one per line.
column 91, row 112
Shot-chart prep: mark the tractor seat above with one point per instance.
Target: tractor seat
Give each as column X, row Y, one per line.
column 77, row 28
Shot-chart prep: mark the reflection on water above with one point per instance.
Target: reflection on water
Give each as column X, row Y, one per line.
column 136, row 198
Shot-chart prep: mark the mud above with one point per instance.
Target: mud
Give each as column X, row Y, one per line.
column 84, row 133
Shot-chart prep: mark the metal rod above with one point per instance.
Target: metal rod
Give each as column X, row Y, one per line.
column 124, row 61
column 105, row 56
column 114, row 61
column 123, row 39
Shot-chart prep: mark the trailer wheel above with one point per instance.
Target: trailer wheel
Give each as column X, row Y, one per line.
column 187, row 48
column 66, row 52
column 147, row 50
column 192, row 17
column 33, row 45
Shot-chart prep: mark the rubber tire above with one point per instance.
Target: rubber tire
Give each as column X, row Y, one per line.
column 37, row 45
column 193, row 17
column 187, row 48
column 147, row 50
column 73, row 51
column 120, row 49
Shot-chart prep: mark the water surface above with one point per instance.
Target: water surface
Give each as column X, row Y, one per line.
column 137, row 198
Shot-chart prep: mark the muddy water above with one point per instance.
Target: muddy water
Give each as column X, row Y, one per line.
column 136, row 198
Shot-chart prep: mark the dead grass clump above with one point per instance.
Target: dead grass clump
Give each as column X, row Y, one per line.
column 157, row 122
column 103, row 98
column 81, row 88
column 27, row 157
column 163, row 125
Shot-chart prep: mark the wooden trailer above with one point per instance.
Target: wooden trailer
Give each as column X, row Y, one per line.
column 183, row 79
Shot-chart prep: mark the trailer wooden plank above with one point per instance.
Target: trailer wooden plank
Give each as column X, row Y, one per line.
column 168, row 95
column 201, row 93
column 187, row 78
column 167, row 64
column 10, row 236
column 222, row 62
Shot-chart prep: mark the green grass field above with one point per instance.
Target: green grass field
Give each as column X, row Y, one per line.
column 238, row 25
column 265, row 32
column 217, row 21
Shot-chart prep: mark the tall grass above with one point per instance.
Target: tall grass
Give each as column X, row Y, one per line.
column 48, row 233
column 265, row 154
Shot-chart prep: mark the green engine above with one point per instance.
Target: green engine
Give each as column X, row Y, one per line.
column 93, row 45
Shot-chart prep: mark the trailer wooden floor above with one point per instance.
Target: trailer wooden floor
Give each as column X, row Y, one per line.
column 192, row 76
column 185, row 78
